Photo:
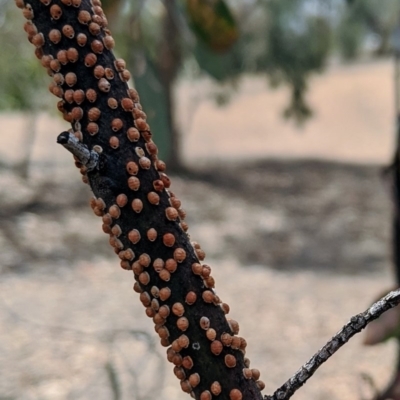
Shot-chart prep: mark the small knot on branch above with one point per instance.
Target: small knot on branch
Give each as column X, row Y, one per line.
column 88, row 158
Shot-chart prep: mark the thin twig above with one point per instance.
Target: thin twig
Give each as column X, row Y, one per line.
column 355, row 325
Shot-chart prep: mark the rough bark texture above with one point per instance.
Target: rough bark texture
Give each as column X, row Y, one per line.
column 144, row 220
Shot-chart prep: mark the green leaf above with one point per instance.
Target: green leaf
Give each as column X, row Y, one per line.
column 213, row 23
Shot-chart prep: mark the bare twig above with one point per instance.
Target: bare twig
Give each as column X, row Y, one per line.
column 89, row 158
column 355, row 325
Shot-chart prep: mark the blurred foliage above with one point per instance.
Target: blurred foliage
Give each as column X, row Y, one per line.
column 285, row 40
column 22, row 82
column 367, row 25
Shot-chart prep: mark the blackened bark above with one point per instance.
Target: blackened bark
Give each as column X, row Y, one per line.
column 143, row 218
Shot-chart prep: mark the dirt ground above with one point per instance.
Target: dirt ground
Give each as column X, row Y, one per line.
column 296, row 246
column 296, row 249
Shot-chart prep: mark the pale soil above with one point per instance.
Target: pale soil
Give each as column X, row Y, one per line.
column 296, row 249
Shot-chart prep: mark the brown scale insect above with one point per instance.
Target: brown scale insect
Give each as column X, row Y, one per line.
column 92, row 128
column 164, row 275
column 168, row 239
column 81, row 39
column 132, row 168
column 134, row 236
column 72, row 55
column 70, row 79
column 158, row 185
column 91, row 95
column 116, row 124
column 194, row 380
column 155, row 292
column 139, row 152
column 67, row 2
column 190, row 298
column 137, row 288
column 171, row 265
column 178, row 309
column 211, row 334
column 205, row 395
column 226, row 339
column 151, row 148
column 90, row 60
column 158, row 264
column 235, row 394
column 38, row 40
column 122, row 200
column 179, row 373
column 98, row 71
column 127, row 104
column 104, row 85
column 153, row 198
column 76, row 3
column 45, row 61
column 112, row 103
column 84, row 17
column 133, row 183
column 216, row 347
column 216, row 388
column 182, row 323
column 77, row 113
column 151, row 234
column 78, row 135
column 114, row 211
column 209, row 282
column 164, row 310
column 144, row 163
column 147, row 135
column 20, row 3
column 62, row 57
column 140, row 124
column 28, row 12
column 60, row 105
column 137, row 205
column 109, row 73
column 94, row 114
column 133, row 134
column 116, row 230
column 109, row 42
column 55, row 11
column 119, row 64
column 45, row 2
column 55, row 36
column 234, row 325
column 134, row 95
column 68, row 31
column 55, row 65
column 165, row 293
column 145, row 299
column 125, row 75
column 171, row 213
column 79, row 96
column 183, row 341
column 230, row 361
column 144, row 278
column 97, row 46
column 208, row 296
column 58, row 92
column 179, row 255
column 160, row 165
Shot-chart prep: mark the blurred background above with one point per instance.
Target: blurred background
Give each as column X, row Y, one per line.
column 277, row 119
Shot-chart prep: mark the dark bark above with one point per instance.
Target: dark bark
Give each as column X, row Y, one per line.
column 144, row 219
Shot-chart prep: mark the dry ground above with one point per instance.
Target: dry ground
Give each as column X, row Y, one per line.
column 296, row 247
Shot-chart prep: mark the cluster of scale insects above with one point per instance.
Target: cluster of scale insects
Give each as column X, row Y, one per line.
column 76, row 105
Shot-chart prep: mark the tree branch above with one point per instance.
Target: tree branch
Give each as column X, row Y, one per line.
column 113, row 147
column 355, row 325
